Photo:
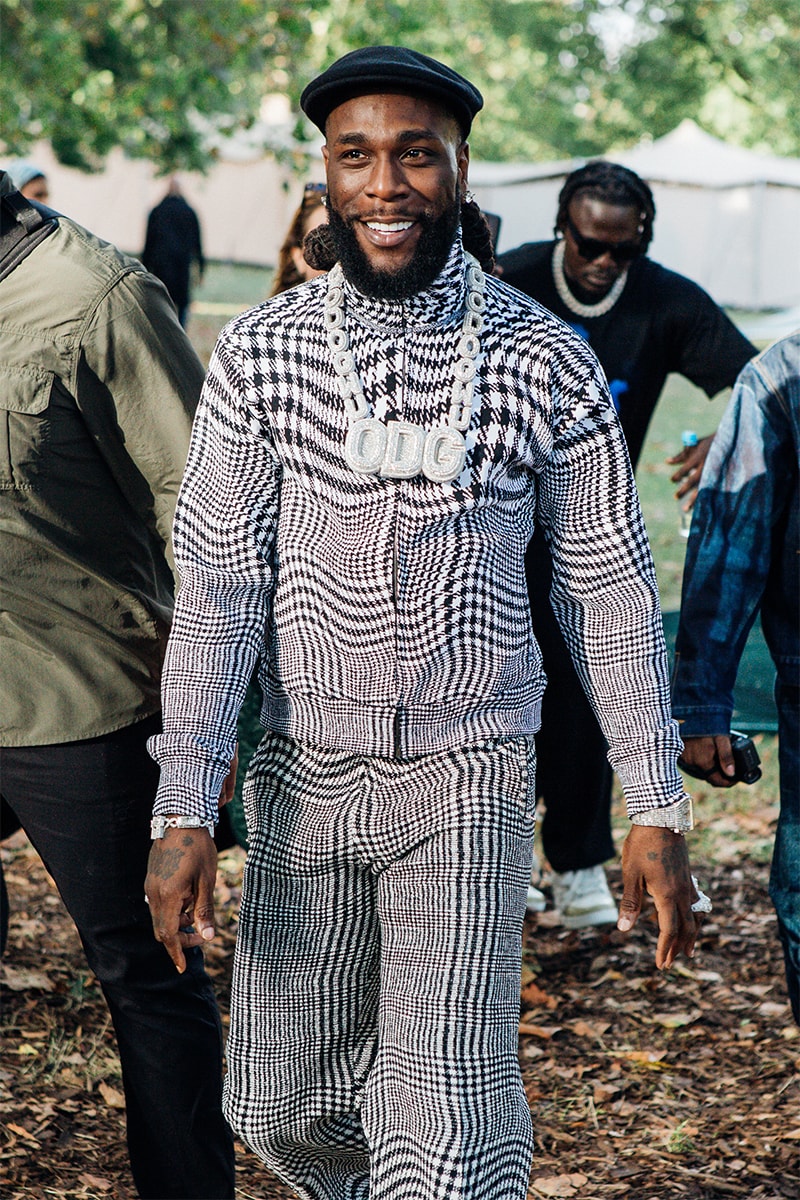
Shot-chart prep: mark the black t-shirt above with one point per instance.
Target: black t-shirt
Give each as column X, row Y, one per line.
column 662, row 322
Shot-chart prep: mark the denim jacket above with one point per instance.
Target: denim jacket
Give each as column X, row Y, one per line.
column 744, row 547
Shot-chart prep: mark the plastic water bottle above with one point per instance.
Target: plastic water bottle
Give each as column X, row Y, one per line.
column 688, row 439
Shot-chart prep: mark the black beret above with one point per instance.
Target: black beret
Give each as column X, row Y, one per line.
column 376, row 69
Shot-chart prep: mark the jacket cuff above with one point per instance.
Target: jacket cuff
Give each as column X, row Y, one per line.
column 703, row 722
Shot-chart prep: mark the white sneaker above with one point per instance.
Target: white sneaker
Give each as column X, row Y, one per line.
column 537, row 901
column 583, row 898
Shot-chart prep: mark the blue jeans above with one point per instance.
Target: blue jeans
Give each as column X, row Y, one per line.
column 784, row 884
column 86, row 808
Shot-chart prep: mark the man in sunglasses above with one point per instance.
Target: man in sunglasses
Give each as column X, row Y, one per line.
column 642, row 322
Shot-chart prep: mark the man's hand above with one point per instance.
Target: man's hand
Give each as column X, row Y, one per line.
column 181, row 873
column 656, row 861
column 690, row 467
column 709, row 758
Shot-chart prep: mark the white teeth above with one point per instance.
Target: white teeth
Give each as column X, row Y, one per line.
column 389, row 226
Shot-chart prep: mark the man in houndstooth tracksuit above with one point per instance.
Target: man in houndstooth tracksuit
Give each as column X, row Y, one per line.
column 370, row 455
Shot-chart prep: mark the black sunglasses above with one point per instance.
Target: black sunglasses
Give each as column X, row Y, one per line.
column 592, row 248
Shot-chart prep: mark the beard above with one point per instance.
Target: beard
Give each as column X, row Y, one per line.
column 435, row 242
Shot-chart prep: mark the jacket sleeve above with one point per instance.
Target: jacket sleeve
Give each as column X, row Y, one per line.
column 742, row 494
column 604, row 591
column 224, row 538
column 138, row 383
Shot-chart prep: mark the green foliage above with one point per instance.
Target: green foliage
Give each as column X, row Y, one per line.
column 141, row 74
column 732, row 65
column 561, row 78
column 679, row 1140
column 576, row 78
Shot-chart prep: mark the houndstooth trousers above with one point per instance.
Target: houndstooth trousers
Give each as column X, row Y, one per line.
column 373, row 1037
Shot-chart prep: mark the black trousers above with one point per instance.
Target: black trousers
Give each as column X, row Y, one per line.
column 573, row 775
column 86, row 807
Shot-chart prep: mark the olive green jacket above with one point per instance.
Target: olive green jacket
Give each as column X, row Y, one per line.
column 98, row 387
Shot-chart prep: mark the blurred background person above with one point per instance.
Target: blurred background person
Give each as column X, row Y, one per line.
column 173, row 247
column 292, row 268
column 643, row 322
column 29, row 179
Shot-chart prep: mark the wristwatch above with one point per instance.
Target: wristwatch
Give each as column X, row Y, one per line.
column 160, row 825
column 677, row 817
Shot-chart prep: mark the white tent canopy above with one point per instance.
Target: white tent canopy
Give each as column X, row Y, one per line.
column 725, row 216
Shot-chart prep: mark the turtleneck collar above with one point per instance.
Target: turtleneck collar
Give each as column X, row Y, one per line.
column 436, row 306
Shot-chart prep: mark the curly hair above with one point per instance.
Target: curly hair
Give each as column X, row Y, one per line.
column 614, row 184
column 286, row 273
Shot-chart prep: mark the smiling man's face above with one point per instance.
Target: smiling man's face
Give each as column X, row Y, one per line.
column 396, row 167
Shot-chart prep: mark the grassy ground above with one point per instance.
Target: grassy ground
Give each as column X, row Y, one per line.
column 682, row 406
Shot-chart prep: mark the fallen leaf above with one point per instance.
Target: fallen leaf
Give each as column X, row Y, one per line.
column 112, row 1097
column 96, row 1182
column 560, row 1185
column 22, row 1132
column 645, row 1058
column 19, row 979
column 692, row 973
column 771, row 1009
column 535, row 997
column 540, row 1031
column 527, row 976
column 591, row 1029
column 674, row 1020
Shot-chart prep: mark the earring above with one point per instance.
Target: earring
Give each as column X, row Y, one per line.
column 469, row 196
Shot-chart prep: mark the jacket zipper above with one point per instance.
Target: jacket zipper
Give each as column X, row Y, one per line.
column 396, row 730
column 396, row 722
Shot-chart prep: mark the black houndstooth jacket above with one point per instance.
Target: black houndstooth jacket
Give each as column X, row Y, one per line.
column 389, row 617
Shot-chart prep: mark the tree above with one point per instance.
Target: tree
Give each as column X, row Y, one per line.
column 577, row 78
column 747, row 53
column 561, row 78
column 141, row 74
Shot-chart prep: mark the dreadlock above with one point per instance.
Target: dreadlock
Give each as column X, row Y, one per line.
column 476, row 234
column 319, row 252
column 613, row 184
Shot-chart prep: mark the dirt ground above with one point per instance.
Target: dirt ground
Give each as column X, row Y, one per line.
column 643, row 1085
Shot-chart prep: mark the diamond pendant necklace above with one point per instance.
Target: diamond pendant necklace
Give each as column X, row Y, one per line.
column 400, row 449
column 572, row 302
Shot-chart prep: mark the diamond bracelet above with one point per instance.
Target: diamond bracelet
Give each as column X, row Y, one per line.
column 677, row 817
column 160, row 825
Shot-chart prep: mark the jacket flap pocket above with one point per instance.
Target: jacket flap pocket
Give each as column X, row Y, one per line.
column 25, row 390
